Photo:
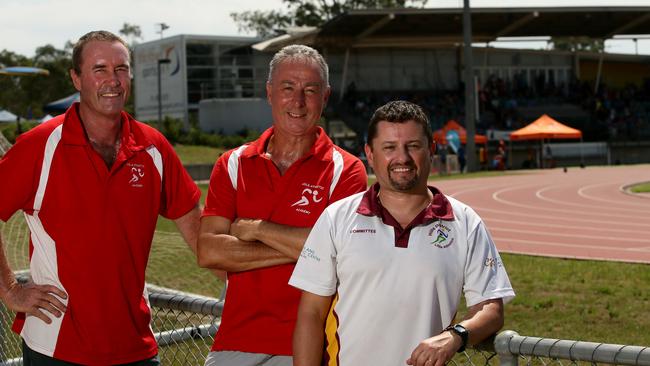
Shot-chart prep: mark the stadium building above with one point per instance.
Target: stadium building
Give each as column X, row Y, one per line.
column 417, row 54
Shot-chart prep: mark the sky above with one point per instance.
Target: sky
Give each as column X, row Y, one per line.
column 28, row 24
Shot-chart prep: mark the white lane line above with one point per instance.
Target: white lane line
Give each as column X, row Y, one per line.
column 496, row 197
column 574, row 256
column 562, row 235
column 540, row 194
column 582, row 193
column 607, row 228
column 574, row 219
column 498, row 241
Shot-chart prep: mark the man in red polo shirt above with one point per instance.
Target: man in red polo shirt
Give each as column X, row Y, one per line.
column 91, row 184
column 264, row 197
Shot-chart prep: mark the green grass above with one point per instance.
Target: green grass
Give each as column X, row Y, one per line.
column 191, row 154
column 641, row 188
column 578, row 299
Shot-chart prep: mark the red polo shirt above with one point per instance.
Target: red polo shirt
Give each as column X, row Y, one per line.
column 91, row 231
column 260, row 310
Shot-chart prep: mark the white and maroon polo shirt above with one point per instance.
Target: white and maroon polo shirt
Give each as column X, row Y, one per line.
column 395, row 287
column 91, row 231
column 260, row 311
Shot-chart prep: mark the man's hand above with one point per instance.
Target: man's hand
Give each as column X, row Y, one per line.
column 245, row 229
column 435, row 351
column 36, row 300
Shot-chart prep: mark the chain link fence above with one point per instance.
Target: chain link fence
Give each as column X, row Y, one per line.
column 184, row 327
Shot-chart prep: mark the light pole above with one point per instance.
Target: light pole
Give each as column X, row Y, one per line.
column 160, row 123
column 162, row 28
column 470, row 117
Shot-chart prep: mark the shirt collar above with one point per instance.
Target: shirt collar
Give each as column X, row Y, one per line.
column 439, row 208
column 73, row 132
column 321, row 149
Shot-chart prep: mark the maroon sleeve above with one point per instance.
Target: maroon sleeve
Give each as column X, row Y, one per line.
column 354, row 178
column 221, row 199
column 179, row 192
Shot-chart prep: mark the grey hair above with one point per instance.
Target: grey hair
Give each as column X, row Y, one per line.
column 299, row 52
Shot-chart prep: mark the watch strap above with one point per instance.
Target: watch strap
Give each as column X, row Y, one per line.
column 462, row 332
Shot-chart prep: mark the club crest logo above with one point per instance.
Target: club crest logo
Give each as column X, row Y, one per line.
column 310, row 194
column 440, row 233
column 136, row 173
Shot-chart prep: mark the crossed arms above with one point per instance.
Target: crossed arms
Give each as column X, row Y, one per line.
column 247, row 244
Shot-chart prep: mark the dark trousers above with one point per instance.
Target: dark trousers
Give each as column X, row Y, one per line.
column 33, row 358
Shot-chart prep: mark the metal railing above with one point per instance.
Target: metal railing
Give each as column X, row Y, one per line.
column 513, row 348
column 185, row 324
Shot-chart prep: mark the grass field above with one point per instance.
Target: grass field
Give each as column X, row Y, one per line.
column 641, row 188
column 190, row 154
column 577, row 299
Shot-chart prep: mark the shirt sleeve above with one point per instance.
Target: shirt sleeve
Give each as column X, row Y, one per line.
column 179, row 193
column 485, row 275
column 315, row 270
column 354, row 179
column 221, row 199
column 19, row 169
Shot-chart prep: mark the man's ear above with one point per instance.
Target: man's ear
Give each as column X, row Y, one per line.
column 326, row 96
column 76, row 80
column 268, row 92
column 368, row 150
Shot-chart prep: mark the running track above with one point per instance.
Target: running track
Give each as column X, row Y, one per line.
column 583, row 213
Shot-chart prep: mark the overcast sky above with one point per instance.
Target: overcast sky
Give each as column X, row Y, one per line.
column 28, row 24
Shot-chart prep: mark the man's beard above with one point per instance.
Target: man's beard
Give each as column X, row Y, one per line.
column 403, row 185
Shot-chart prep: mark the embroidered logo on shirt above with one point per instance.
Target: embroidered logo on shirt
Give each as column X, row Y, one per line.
column 363, row 231
column 309, row 253
column 311, row 193
column 493, row 262
column 441, row 234
column 137, row 173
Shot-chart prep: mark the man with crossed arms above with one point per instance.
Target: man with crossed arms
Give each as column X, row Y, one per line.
column 264, row 197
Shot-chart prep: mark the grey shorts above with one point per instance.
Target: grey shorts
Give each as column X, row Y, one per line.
column 235, row 358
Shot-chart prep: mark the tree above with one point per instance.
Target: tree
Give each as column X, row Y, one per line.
column 26, row 95
column 574, row 44
column 132, row 33
column 309, row 13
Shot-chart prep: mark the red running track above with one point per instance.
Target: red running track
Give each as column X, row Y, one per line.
column 583, row 213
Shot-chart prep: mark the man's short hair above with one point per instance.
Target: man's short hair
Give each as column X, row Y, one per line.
column 400, row 111
column 101, row 35
column 299, row 52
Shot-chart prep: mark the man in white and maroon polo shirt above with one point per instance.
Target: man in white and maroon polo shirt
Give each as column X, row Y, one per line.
column 263, row 199
column 394, row 261
column 91, row 184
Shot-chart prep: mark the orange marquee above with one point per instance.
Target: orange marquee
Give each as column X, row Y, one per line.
column 545, row 127
column 439, row 136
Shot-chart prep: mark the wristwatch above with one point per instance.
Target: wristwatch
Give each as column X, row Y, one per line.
column 462, row 332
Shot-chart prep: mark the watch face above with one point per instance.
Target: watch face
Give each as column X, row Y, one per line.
column 460, row 330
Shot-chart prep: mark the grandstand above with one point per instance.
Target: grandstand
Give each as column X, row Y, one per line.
column 377, row 55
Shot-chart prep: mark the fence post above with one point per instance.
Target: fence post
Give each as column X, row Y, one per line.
column 502, row 348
